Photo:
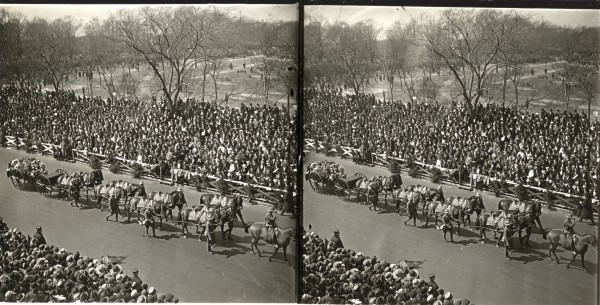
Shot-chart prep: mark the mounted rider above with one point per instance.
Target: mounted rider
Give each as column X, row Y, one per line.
column 270, row 224
column 478, row 207
column 569, row 230
column 439, row 195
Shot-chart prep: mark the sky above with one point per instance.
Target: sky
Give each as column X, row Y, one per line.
column 88, row 11
column 385, row 16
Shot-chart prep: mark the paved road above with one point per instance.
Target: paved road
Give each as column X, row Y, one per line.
column 466, row 268
column 169, row 263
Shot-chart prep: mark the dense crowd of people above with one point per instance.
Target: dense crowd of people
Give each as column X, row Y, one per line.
column 248, row 144
column 33, row 271
column 332, row 274
column 546, row 149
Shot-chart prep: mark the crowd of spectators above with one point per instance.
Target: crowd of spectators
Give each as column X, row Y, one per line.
column 334, row 275
column 546, row 149
column 248, row 144
column 33, row 271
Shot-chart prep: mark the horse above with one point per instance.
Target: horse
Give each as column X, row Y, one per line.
column 525, row 221
column 450, row 205
column 470, row 208
column 390, row 184
column 195, row 215
column 91, row 180
column 156, row 202
column 104, row 191
column 229, row 209
column 66, row 181
column 557, row 237
column 260, row 232
column 374, row 188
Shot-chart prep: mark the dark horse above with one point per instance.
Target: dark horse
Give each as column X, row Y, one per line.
column 282, row 240
column 533, row 208
column 229, row 209
column 91, row 180
column 390, row 184
column 557, row 237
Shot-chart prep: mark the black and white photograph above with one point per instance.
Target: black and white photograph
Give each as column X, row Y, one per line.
column 451, row 155
column 150, row 153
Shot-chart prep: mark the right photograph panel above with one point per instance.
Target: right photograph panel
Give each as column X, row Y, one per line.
column 451, row 156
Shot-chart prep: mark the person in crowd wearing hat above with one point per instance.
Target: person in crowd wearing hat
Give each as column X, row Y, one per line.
column 149, row 221
column 135, row 277
column 569, row 230
column 432, row 284
column 113, row 203
column 336, row 240
column 74, row 191
column 38, row 237
column 271, row 225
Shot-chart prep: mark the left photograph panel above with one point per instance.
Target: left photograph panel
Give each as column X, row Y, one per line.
column 150, row 153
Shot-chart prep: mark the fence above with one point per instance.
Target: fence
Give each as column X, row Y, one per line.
column 153, row 172
column 454, row 176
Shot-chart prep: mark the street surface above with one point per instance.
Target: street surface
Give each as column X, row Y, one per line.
column 466, row 268
column 169, row 263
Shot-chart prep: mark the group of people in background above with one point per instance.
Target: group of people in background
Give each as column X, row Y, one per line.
column 548, row 149
column 255, row 143
column 34, row 271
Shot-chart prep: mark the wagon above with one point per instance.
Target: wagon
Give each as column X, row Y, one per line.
column 322, row 176
column 23, row 172
column 357, row 185
column 48, row 184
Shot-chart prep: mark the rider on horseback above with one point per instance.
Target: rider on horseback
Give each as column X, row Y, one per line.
column 271, row 225
column 568, row 229
column 439, row 195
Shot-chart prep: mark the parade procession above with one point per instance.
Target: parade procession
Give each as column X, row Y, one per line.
column 299, row 153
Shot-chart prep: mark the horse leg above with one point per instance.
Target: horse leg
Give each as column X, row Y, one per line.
column 528, row 235
column 239, row 213
column 520, row 239
column 274, row 253
column 252, row 246
column 230, row 225
column 572, row 260
column 583, row 260
column 257, row 249
column 499, row 239
column 222, row 228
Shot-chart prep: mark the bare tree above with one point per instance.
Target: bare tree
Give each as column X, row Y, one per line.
column 469, row 43
column 169, row 39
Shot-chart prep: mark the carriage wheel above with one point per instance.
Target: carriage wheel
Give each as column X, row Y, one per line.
column 315, row 182
column 43, row 186
column 342, row 189
column 17, row 179
column 361, row 175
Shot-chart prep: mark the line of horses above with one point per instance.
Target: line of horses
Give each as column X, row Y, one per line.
column 510, row 216
column 224, row 209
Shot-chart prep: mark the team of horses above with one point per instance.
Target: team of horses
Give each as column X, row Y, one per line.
column 509, row 217
column 224, row 209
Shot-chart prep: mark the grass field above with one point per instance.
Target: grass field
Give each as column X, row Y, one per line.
column 545, row 93
column 241, row 84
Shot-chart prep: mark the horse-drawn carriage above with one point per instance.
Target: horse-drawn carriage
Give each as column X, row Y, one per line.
column 323, row 174
column 58, row 181
column 358, row 185
column 24, row 171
